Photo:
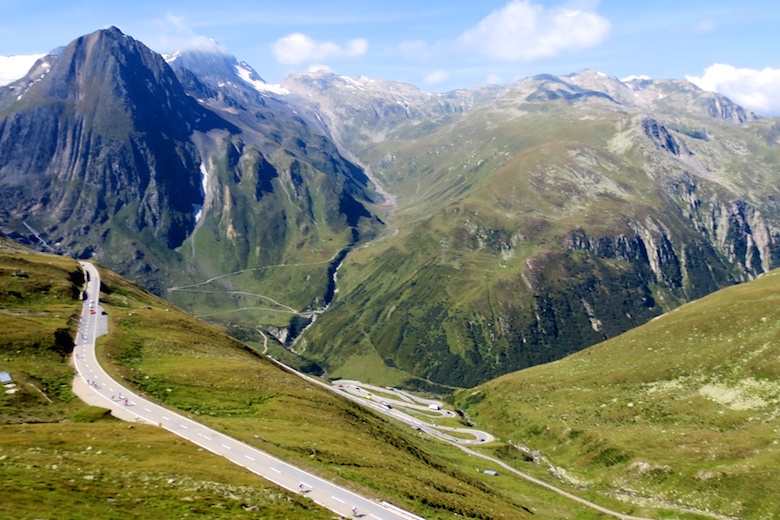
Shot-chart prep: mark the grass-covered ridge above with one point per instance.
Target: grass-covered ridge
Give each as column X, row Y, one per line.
column 63, row 459
column 683, row 409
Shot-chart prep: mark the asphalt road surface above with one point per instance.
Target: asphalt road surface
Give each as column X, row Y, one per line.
column 96, row 387
column 397, row 406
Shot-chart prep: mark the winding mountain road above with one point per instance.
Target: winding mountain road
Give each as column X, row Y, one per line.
column 95, row 386
column 377, row 398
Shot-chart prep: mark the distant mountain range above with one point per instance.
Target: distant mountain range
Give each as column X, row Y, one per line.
column 541, row 217
column 471, row 233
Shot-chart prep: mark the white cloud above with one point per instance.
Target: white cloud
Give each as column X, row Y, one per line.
column 318, row 67
column 176, row 35
column 15, row 67
column 522, row 30
column 754, row 89
column 297, row 48
column 494, row 79
column 437, row 76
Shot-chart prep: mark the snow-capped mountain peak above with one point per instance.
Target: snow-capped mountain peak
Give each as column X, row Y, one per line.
column 248, row 74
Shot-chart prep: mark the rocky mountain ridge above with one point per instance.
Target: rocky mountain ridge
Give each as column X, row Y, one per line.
column 165, row 176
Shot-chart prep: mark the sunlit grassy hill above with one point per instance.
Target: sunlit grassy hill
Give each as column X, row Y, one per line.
column 62, row 459
column 683, row 410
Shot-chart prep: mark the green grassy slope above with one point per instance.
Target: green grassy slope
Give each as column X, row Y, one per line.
column 63, row 459
column 68, row 460
column 683, row 409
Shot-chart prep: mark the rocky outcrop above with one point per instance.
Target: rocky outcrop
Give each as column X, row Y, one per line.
column 661, row 137
column 735, row 228
column 721, row 107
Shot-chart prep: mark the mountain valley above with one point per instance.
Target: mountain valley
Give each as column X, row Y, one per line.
column 474, row 233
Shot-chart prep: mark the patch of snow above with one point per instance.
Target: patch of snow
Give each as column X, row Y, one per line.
column 197, row 209
column 632, row 78
column 259, row 85
column 204, row 179
column 170, row 58
column 353, row 83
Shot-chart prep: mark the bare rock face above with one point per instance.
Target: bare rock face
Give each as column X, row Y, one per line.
column 105, row 131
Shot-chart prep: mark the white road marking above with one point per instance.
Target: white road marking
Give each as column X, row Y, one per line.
column 250, row 458
column 166, row 418
column 276, row 470
column 226, row 447
column 377, row 518
column 184, row 427
column 148, row 410
column 337, row 499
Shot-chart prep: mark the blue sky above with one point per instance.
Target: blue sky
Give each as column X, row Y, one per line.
column 439, row 45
